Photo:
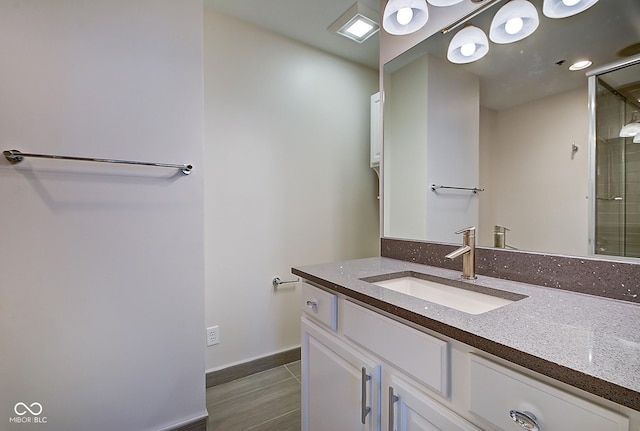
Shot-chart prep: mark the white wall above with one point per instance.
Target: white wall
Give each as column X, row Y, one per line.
column 405, row 151
column 431, row 137
column 487, row 206
column 101, row 266
column 452, row 149
column 536, row 186
column 287, row 183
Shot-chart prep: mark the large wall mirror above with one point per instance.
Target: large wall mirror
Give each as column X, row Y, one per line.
column 502, row 143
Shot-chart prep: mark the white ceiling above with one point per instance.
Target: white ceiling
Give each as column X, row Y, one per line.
column 305, row 21
column 527, row 70
column 610, row 25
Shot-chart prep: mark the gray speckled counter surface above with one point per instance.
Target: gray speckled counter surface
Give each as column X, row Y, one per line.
column 588, row 342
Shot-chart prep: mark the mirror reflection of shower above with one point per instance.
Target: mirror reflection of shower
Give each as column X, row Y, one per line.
column 617, row 162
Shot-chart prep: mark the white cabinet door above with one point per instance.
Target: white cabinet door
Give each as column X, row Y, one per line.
column 428, row 360
column 335, row 396
column 410, row 409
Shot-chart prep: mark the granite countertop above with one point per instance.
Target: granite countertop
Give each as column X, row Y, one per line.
column 588, row 342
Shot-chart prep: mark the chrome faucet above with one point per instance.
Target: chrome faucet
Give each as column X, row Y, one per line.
column 468, row 253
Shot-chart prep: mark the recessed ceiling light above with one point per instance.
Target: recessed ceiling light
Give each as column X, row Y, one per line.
column 358, row 23
column 581, row 64
column 359, row 28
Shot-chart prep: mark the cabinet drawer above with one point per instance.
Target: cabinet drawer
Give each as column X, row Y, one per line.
column 321, row 305
column 496, row 390
column 422, row 356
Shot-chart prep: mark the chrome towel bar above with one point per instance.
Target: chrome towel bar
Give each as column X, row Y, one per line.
column 276, row 281
column 472, row 189
column 15, row 156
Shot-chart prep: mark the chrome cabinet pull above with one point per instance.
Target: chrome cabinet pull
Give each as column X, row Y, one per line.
column 312, row 304
column 364, row 409
column 526, row 420
column 392, row 400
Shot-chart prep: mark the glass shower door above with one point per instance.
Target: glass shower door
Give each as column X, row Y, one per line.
column 617, row 164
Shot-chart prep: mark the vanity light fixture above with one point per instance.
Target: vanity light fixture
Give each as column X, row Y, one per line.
column 513, row 22
column 632, row 128
column 565, row 8
column 580, row 65
column 358, row 23
column 468, row 45
column 402, row 17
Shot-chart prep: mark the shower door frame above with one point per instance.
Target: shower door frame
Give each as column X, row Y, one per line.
column 592, row 91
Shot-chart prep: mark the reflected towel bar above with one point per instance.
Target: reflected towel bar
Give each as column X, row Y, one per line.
column 612, row 198
column 15, row 156
column 472, row 189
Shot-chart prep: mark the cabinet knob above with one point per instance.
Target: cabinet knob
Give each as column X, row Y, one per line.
column 526, row 420
column 312, row 304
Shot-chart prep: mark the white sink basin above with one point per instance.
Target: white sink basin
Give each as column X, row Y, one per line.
column 468, row 301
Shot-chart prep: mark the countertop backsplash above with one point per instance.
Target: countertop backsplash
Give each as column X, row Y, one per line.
column 605, row 278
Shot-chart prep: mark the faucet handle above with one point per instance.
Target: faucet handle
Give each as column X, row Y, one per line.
column 471, row 230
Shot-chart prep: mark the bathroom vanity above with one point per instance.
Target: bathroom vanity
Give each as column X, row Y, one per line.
column 538, row 341
column 383, row 358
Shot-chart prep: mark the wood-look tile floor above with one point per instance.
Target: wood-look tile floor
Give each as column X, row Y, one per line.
column 266, row 401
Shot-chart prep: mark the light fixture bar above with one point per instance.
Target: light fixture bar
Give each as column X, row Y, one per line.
column 468, row 16
column 443, row 3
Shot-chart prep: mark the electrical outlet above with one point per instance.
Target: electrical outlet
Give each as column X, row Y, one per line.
column 213, row 335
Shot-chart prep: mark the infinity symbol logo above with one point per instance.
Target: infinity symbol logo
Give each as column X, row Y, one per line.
column 25, row 408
